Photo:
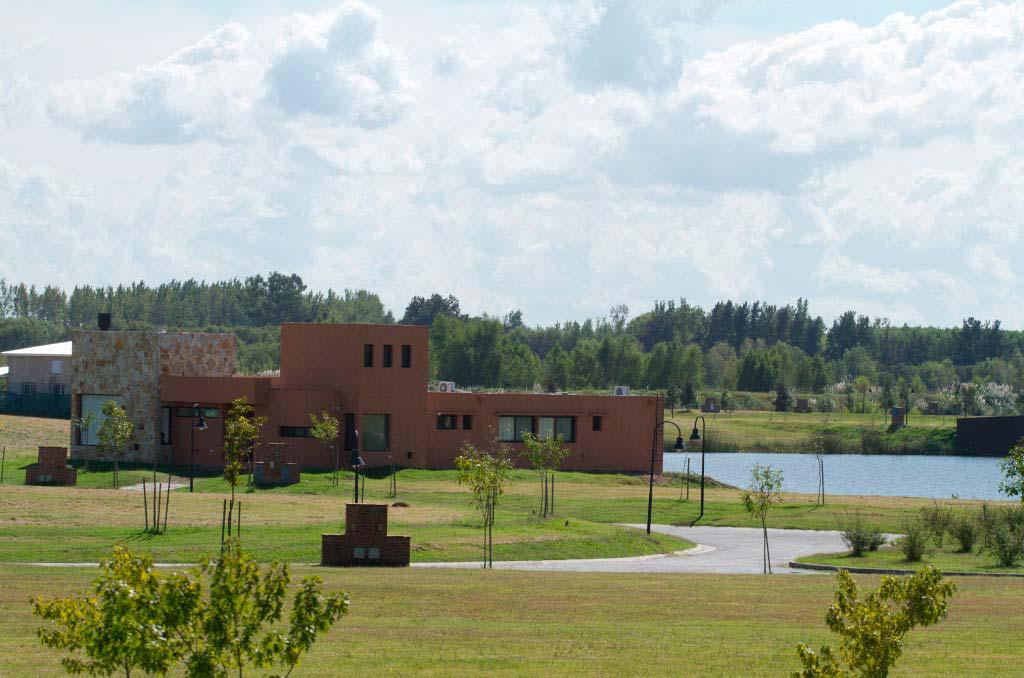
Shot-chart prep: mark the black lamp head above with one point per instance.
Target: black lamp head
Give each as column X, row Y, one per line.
column 355, row 461
column 679, row 446
column 695, row 436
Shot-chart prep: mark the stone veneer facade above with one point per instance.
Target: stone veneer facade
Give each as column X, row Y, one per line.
column 130, row 364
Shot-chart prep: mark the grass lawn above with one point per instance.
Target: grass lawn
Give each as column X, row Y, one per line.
column 515, row 623
column 945, row 559
column 792, row 432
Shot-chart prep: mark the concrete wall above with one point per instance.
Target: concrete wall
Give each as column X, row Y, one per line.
column 36, row 370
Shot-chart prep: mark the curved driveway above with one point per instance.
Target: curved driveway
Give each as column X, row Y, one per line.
column 719, row 550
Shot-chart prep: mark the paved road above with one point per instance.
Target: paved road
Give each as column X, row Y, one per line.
column 720, row 550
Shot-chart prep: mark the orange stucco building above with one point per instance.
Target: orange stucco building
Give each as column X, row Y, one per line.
column 374, row 379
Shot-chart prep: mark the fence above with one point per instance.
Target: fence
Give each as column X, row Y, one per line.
column 39, row 405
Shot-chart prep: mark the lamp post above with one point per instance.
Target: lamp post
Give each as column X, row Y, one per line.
column 702, row 437
column 197, row 413
column 356, row 462
column 678, row 447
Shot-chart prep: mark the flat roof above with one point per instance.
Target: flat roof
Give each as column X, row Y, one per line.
column 4, row 370
column 59, row 350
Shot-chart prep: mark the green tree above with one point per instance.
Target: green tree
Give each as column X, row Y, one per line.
column 687, row 395
column 782, row 398
column 241, row 433
column 1013, row 472
column 486, row 472
column 872, row 629
column 861, row 385
column 325, row 429
column 546, row 454
column 118, row 629
column 764, row 493
column 114, row 432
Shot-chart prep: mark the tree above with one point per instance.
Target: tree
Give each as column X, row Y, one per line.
column 688, row 395
column 114, row 433
column 871, row 630
column 486, row 473
column 546, row 454
column 422, row 311
column 861, row 385
column 325, row 429
column 241, row 433
column 782, row 398
column 1013, row 472
column 139, row 620
column 764, row 493
column 118, row 628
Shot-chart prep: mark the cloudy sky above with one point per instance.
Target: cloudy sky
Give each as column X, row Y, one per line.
column 559, row 157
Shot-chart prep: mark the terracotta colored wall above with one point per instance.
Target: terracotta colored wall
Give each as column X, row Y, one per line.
column 623, row 444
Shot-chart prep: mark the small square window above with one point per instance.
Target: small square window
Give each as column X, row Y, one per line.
column 373, row 552
column 367, row 355
column 56, row 366
column 57, row 389
column 358, row 553
column 596, row 423
column 406, row 355
column 28, row 389
column 386, row 356
column 467, row 422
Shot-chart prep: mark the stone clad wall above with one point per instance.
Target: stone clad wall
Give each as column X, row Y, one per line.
column 194, row 354
column 130, row 364
column 119, row 364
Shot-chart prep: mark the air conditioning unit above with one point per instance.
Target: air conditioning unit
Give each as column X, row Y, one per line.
column 446, row 386
column 621, row 391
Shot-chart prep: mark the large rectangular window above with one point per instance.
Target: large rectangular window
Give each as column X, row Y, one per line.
column 558, row 426
column 406, row 355
column 386, row 356
column 296, row 432
column 367, row 355
column 446, row 422
column 190, row 413
column 28, row 389
column 511, row 429
column 93, row 404
column 375, row 432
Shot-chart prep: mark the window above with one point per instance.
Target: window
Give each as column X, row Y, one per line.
column 467, row 422
column 93, row 403
column 165, row 426
column 56, row 366
column 386, row 358
column 358, row 553
column 596, row 422
column 511, row 429
column 406, row 355
column 189, row 412
column 558, row 426
column 57, row 389
column 28, row 389
column 446, row 422
column 373, row 553
column 367, row 355
column 295, row 432
column 375, row 432
column 349, row 429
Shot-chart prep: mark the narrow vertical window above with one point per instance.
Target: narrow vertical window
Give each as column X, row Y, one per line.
column 368, row 355
column 406, row 355
column 467, row 422
column 596, row 425
column 386, row 356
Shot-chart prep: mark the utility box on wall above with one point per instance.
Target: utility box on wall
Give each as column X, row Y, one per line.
column 366, row 541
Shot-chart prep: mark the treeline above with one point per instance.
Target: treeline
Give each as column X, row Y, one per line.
column 674, row 346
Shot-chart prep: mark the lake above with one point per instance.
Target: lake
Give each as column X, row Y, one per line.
column 881, row 474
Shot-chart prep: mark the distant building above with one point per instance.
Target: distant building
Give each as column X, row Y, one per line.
column 38, row 381
column 373, row 378
column 39, row 369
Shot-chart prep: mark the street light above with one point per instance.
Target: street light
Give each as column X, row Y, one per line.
column 356, row 462
column 197, row 413
column 678, row 447
column 694, row 437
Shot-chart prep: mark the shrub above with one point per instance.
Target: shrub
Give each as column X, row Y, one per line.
column 965, row 530
column 872, row 442
column 1003, row 534
column 914, row 541
column 938, row 520
column 860, row 537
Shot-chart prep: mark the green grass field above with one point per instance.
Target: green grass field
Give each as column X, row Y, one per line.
column 470, row 623
column 793, row 432
column 946, row 559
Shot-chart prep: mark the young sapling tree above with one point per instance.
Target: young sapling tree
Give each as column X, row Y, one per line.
column 764, row 493
column 114, row 432
column 325, row 429
column 486, row 472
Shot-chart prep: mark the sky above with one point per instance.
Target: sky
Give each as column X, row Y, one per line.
column 558, row 157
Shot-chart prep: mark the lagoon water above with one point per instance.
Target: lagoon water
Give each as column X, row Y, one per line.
column 875, row 474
